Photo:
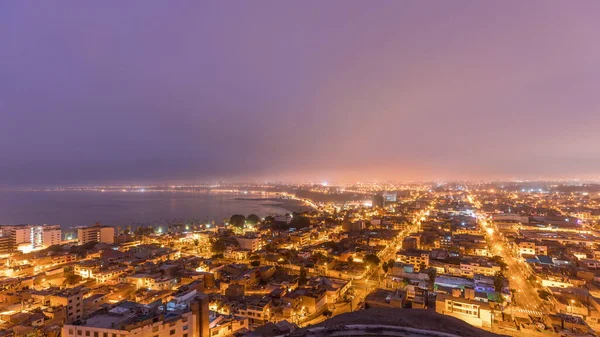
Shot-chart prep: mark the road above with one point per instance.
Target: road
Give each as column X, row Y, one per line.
column 517, row 271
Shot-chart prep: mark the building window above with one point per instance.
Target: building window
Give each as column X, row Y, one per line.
column 95, row 333
column 70, row 331
column 185, row 327
column 172, row 332
column 105, row 334
column 79, row 332
column 87, row 333
column 185, row 335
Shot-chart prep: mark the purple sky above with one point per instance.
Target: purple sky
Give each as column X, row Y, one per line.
column 140, row 91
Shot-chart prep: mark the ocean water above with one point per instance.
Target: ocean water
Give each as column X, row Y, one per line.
column 74, row 208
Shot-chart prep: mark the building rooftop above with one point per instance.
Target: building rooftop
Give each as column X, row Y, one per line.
column 371, row 321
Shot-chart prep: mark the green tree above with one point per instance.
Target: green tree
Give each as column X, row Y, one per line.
column 237, row 220
column 253, row 219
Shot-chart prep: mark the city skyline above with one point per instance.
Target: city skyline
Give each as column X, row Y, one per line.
column 297, row 91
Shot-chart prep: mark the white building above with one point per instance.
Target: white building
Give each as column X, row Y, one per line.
column 50, row 235
column 31, row 237
column 249, row 243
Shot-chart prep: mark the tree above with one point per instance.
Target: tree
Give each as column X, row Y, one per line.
column 269, row 219
column 544, row 294
column 385, row 267
column 255, row 263
column 372, row 260
column 217, row 246
column 300, row 222
column 512, row 293
column 253, row 219
column 72, row 278
column 498, row 281
column 302, row 280
column 327, row 313
column 500, row 262
column 432, row 275
column 55, row 248
column 237, row 220
column 319, row 256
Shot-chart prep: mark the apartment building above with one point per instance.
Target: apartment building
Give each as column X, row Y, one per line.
column 72, row 300
column 473, row 312
column 96, row 233
column 415, row 257
column 29, row 237
column 469, row 269
column 129, row 319
column 249, row 243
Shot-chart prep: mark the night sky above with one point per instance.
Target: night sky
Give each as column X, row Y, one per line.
column 195, row 91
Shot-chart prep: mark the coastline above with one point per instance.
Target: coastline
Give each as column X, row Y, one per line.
column 291, row 204
column 83, row 208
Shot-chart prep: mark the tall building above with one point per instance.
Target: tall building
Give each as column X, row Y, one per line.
column 29, row 237
column 20, row 235
column 45, row 236
column 72, row 300
column 51, row 235
column 96, row 233
column 378, row 201
column 389, row 197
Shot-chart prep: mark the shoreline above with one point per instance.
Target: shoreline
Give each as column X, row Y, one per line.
column 83, row 208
